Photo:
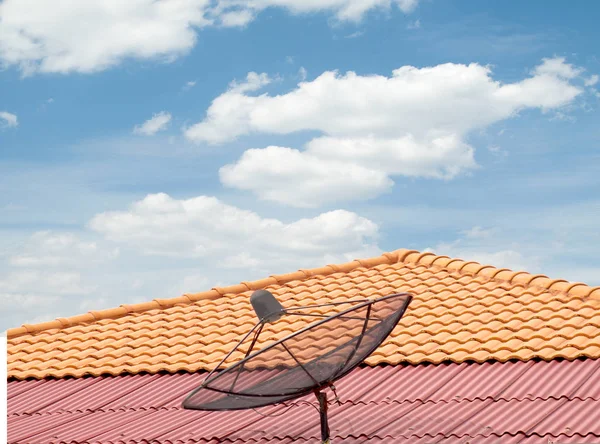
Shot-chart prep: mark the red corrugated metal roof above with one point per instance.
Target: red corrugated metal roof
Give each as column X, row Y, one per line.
column 525, row 402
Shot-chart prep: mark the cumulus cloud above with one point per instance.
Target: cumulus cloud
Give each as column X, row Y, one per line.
column 158, row 122
column 94, row 35
column 448, row 98
column 254, row 82
column 413, row 123
column 204, row 226
column 236, row 105
column 441, row 157
column 8, row 120
column 557, row 66
column 280, row 174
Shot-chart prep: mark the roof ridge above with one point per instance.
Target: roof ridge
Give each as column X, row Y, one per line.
column 577, row 289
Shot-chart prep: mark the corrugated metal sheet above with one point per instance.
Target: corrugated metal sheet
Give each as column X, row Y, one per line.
column 525, row 402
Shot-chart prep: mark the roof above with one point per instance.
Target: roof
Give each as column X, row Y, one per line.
column 461, row 311
column 492, row 402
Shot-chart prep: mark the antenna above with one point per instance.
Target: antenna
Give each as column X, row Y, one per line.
column 307, row 360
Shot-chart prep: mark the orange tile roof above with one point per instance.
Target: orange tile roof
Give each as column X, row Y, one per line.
column 461, row 311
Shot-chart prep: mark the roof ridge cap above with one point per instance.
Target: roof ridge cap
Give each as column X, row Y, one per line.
column 214, row 293
column 576, row 289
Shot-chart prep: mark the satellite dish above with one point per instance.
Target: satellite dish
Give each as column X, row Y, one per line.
column 306, row 360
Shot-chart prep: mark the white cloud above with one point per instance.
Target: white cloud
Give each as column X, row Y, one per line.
column 206, row 227
column 97, row 34
column 414, row 25
column 241, row 260
column 354, row 35
column 280, row 174
column 343, row 10
column 189, row 85
column 253, row 82
column 413, row 123
column 559, row 115
column 191, row 284
column 441, row 157
column 53, row 283
column 45, row 104
column 592, row 80
column 237, row 18
column 498, row 151
column 46, row 271
column 93, row 304
column 302, row 73
column 557, row 66
column 23, row 302
column 478, row 232
column 94, row 35
column 47, row 249
column 10, row 120
column 407, row 6
column 157, row 123
column 236, row 105
column 448, row 98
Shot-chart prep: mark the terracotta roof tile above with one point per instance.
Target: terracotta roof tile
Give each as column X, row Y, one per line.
column 461, row 311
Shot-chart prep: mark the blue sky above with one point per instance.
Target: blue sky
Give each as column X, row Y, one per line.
column 468, row 128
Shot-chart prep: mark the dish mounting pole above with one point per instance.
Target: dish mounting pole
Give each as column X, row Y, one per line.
column 322, row 398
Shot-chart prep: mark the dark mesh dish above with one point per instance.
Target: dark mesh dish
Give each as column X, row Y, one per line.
column 308, row 359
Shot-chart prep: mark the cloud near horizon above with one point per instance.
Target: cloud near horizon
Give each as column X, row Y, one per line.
column 197, row 242
column 204, row 226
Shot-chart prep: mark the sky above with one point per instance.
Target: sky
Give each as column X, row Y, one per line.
column 157, row 147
